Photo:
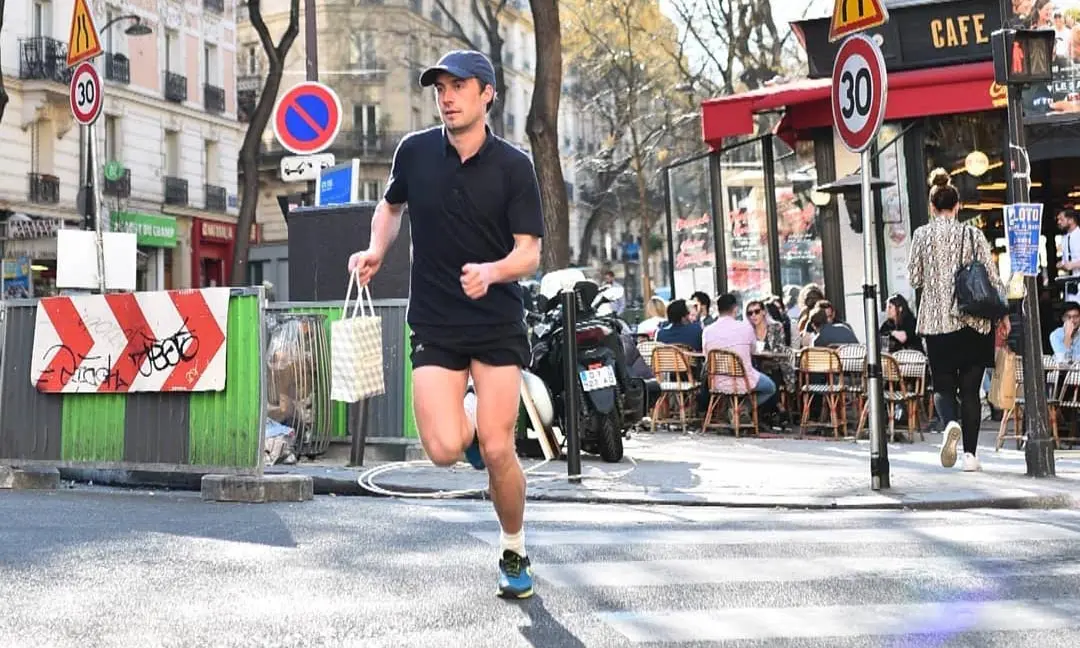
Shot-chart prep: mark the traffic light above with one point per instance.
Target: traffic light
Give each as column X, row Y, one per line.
column 1023, row 55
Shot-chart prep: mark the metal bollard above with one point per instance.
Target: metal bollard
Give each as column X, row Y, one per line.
column 571, row 387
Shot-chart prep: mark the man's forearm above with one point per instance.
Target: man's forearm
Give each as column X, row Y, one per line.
column 385, row 225
column 522, row 262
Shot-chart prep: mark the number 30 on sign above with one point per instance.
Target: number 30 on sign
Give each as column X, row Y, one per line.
column 85, row 96
column 859, row 92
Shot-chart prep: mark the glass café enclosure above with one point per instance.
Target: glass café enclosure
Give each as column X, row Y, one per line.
column 741, row 220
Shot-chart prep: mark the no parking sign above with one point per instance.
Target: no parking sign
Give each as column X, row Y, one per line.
column 307, row 118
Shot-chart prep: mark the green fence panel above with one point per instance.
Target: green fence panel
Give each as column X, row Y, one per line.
column 410, row 415
column 93, row 427
column 225, row 426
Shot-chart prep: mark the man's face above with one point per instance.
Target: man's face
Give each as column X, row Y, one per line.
column 1071, row 317
column 461, row 102
column 1062, row 222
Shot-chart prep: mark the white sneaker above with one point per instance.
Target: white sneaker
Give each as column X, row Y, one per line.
column 971, row 463
column 470, row 408
column 948, row 448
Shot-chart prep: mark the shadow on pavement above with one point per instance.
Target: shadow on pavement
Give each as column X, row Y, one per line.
column 544, row 631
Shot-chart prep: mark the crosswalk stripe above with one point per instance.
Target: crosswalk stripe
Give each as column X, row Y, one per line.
column 940, row 619
column 967, row 533
column 702, row 571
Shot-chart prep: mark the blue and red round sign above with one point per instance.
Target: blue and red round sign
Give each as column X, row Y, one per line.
column 307, row 118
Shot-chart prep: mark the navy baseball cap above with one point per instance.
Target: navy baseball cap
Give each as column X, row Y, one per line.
column 464, row 64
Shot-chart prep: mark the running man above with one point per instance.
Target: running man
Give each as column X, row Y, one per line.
column 476, row 221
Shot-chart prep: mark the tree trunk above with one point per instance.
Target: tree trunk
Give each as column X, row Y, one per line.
column 260, row 117
column 496, row 117
column 3, row 90
column 542, row 126
column 643, row 214
column 595, row 219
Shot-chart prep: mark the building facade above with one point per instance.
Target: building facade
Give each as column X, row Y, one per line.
column 167, row 137
column 371, row 53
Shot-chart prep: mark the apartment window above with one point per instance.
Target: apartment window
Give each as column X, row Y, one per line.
column 112, row 138
column 366, row 119
column 252, row 59
column 210, row 167
column 210, row 66
column 362, row 50
column 42, row 18
column 372, row 192
column 172, row 154
column 172, row 40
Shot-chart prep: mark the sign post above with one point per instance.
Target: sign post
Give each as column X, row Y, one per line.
column 859, row 92
column 1022, row 57
column 86, row 101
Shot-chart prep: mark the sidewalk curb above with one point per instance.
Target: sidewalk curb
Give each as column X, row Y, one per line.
column 340, row 486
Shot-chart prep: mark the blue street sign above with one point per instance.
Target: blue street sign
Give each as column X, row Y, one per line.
column 1023, row 224
column 338, row 185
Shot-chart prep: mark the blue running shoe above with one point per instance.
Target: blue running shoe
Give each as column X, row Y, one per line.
column 472, row 453
column 515, row 576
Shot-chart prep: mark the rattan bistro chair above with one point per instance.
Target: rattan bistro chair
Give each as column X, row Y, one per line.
column 728, row 367
column 674, row 372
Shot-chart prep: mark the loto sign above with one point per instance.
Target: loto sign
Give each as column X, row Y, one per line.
column 131, row 342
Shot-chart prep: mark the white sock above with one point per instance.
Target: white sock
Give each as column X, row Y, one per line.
column 512, row 541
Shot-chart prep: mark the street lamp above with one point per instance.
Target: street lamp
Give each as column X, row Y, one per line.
column 138, row 28
column 849, row 188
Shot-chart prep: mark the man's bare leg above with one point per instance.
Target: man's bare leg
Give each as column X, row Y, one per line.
column 444, row 429
column 498, row 398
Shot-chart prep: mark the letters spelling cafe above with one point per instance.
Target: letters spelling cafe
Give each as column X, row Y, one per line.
column 750, row 216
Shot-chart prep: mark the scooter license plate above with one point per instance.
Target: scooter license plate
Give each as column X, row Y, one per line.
column 593, row 379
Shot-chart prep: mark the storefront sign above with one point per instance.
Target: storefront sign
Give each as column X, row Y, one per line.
column 150, row 230
column 1023, row 224
column 218, row 232
column 930, row 34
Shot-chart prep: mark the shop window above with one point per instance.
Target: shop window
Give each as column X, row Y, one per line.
column 692, row 228
column 971, row 148
column 745, row 221
column 798, row 229
column 255, row 273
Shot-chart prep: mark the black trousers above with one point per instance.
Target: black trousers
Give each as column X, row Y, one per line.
column 958, row 361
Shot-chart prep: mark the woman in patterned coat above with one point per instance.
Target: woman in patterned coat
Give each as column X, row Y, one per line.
column 959, row 347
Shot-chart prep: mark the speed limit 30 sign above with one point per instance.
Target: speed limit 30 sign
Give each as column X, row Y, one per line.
column 85, row 96
column 859, row 90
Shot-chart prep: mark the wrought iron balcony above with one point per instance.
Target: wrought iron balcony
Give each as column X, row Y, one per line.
column 217, row 6
column 175, row 87
column 246, row 101
column 44, row 188
column 119, row 188
column 214, row 98
column 117, row 68
column 176, row 191
column 216, row 200
column 43, row 58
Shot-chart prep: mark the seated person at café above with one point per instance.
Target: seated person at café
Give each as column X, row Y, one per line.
column 899, row 326
column 1065, row 339
column 679, row 328
column 737, row 336
column 767, row 331
column 700, row 305
column 826, row 333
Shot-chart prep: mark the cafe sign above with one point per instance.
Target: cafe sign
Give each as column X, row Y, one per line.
column 150, row 230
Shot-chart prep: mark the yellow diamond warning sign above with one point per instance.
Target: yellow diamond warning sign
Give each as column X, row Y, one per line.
column 853, row 16
column 83, row 43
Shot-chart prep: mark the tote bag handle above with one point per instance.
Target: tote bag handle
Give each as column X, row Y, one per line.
column 358, row 305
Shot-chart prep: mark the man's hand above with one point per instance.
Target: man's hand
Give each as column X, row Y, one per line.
column 475, row 279
column 1070, row 330
column 365, row 263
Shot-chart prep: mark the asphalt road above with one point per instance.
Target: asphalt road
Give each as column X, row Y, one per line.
column 92, row 567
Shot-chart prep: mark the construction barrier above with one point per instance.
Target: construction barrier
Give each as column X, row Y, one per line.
column 204, row 431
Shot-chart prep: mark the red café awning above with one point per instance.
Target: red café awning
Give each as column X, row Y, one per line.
column 915, row 93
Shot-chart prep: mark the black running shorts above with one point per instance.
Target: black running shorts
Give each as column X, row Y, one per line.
column 455, row 348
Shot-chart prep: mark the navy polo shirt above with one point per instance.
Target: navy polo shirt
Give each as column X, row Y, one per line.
column 463, row 213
